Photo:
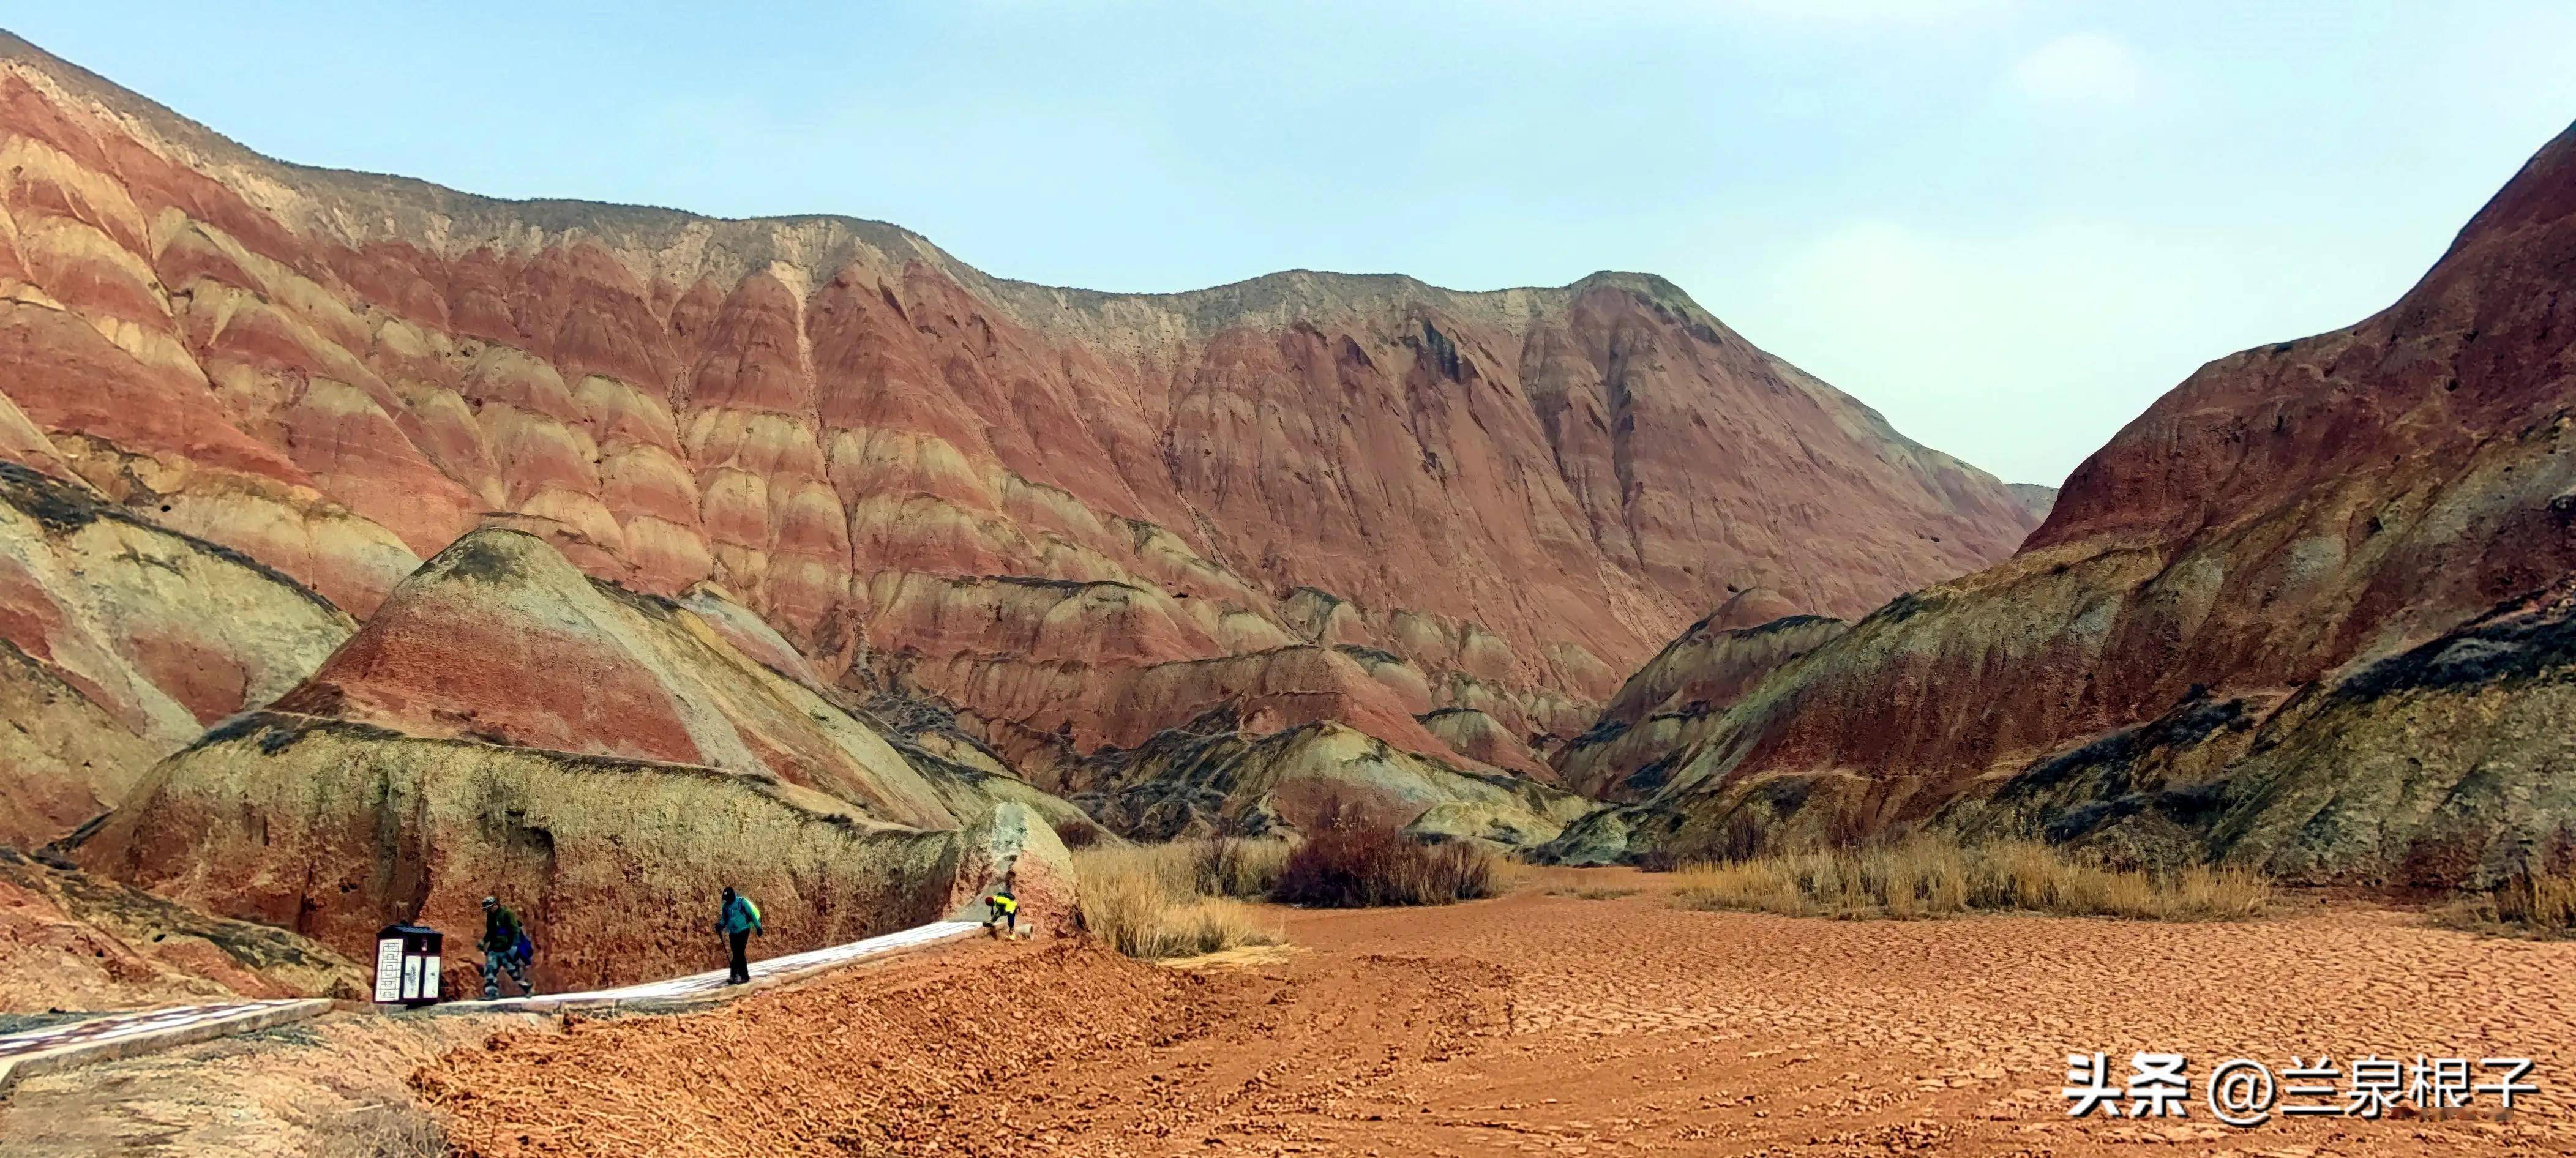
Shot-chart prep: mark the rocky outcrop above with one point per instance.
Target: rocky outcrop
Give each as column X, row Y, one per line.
column 1214, row 778
column 119, row 641
column 2444, row 763
column 1480, row 737
column 2441, row 764
column 500, row 639
column 607, row 760
column 1667, row 706
column 1049, row 714
column 1011, row 847
column 2239, row 568
column 880, row 451
column 334, row 829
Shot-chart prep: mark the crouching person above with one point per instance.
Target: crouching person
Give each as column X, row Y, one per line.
column 506, row 949
column 1005, row 919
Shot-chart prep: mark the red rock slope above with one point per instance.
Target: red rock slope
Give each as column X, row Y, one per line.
column 71, row 941
column 2225, row 593
column 1518, row 494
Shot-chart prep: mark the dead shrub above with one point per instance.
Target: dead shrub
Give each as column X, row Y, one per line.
column 1927, row 877
column 1080, row 834
column 1740, row 838
column 2533, row 902
column 2542, row 902
column 1357, row 858
column 2538, row 900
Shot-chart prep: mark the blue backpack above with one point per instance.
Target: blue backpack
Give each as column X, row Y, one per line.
column 526, row 949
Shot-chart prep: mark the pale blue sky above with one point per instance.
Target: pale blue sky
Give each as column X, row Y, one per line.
column 2008, row 224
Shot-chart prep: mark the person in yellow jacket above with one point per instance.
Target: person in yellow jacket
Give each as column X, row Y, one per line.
column 1005, row 921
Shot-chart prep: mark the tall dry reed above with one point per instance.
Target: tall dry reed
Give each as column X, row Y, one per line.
column 1926, row 877
column 1177, row 900
column 2534, row 902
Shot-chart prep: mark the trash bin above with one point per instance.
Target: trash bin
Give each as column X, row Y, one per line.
column 407, row 965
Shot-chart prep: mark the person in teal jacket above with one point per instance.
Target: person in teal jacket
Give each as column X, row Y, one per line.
column 738, row 921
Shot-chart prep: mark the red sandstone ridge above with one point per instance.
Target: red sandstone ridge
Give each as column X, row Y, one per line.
column 2308, row 611
column 1517, row 494
column 507, row 725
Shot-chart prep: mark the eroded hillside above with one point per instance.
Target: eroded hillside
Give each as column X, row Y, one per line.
column 1079, row 517
column 2307, row 611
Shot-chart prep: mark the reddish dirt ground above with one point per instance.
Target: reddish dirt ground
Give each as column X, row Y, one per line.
column 1545, row 1022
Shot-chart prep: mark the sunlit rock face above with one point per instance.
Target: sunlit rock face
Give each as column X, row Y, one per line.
column 2304, row 612
column 1012, row 495
column 119, row 642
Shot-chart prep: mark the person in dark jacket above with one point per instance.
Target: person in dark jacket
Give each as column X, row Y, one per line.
column 506, row 948
column 738, row 920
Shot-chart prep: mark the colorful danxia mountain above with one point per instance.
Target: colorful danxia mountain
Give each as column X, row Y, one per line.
column 369, row 546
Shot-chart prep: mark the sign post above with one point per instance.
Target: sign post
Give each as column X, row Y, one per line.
column 407, row 959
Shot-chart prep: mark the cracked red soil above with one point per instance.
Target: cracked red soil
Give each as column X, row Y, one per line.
column 1542, row 1023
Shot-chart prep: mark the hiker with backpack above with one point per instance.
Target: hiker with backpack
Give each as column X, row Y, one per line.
column 738, row 920
column 506, row 948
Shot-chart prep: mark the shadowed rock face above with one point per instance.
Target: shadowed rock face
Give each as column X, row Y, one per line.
column 889, row 456
column 2282, row 522
column 1672, row 701
column 334, row 829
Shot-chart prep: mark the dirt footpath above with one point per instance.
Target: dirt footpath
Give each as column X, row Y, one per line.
column 1545, row 1023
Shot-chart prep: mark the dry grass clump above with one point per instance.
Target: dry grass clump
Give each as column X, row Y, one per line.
column 1355, row 859
column 1234, row 867
column 1174, row 900
column 1603, row 894
column 384, row 1131
column 1931, row 878
column 1592, row 894
column 2541, row 902
column 2538, row 903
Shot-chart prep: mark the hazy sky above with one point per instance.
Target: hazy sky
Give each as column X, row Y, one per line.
column 2008, row 224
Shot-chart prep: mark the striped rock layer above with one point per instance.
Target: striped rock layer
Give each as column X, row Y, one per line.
column 1079, row 517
